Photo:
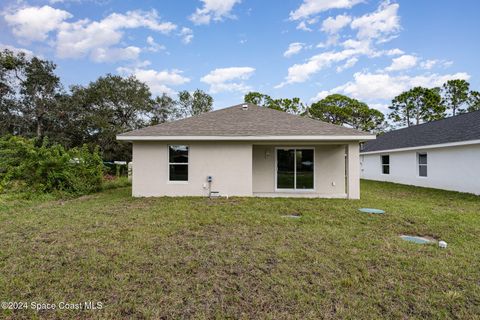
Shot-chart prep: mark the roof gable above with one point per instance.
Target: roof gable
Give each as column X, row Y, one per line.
column 463, row 127
column 237, row 121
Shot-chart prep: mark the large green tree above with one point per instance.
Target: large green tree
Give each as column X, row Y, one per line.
column 28, row 94
column 455, row 95
column 342, row 110
column 473, row 101
column 164, row 109
column 33, row 104
column 40, row 89
column 257, row 98
column 293, row 105
column 11, row 67
column 109, row 106
column 417, row 105
column 194, row 104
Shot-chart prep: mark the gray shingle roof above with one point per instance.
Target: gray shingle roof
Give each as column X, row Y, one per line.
column 255, row 121
column 463, row 127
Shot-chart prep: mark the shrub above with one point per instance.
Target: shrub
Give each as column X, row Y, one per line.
column 48, row 168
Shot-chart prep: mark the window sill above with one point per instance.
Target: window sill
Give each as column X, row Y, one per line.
column 295, row 190
column 177, row 182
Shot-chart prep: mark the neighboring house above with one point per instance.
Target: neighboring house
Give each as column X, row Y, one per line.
column 246, row 150
column 443, row 154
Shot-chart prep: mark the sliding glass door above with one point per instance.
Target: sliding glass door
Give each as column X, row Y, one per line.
column 285, row 169
column 295, row 168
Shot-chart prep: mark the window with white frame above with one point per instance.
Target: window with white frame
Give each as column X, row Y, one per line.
column 422, row 164
column 385, row 164
column 178, row 163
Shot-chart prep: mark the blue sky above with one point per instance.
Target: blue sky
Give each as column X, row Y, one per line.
column 370, row 50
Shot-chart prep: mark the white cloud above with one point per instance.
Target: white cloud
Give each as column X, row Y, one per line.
column 333, row 25
column 142, row 64
column 379, row 106
column 153, row 46
column 382, row 86
column 383, row 24
column 27, row 52
column 322, row 94
column 85, row 37
column 302, row 72
column 303, row 26
column 115, row 54
column 394, row 52
column 158, row 81
column 228, row 79
column 137, row 19
column 98, row 40
column 312, row 7
column 428, row 64
column 403, row 62
column 431, row 63
column 350, row 63
column 187, row 35
column 372, row 28
column 293, row 49
column 34, row 23
column 215, row 10
column 447, row 63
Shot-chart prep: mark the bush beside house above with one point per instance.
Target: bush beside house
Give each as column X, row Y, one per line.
column 43, row 168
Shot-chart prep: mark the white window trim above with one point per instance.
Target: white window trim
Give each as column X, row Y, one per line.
column 178, row 163
column 382, row 165
column 295, row 171
column 419, row 165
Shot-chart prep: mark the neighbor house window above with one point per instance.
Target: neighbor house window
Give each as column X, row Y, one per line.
column 178, row 163
column 385, row 164
column 295, row 169
column 422, row 164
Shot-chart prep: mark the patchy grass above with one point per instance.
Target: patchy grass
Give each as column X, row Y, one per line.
column 239, row 258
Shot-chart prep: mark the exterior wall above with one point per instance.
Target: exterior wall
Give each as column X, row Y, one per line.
column 450, row 168
column 329, row 171
column 230, row 165
column 353, row 171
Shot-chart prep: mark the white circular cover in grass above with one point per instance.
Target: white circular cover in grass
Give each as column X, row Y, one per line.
column 371, row 210
column 292, row 216
column 416, row 239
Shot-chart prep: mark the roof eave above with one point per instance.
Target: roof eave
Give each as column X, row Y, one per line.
column 248, row 138
column 430, row 146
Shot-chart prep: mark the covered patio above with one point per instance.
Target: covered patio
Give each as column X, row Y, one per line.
column 306, row 169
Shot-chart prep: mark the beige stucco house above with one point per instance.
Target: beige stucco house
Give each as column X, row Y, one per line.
column 246, row 150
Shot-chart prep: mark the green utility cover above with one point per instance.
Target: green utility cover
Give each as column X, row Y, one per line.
column 416, row 239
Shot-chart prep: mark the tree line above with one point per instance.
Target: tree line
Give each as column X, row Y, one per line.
column 420, row 104
column 412, row 107
column 34, row 104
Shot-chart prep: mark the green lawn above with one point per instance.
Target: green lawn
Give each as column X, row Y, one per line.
column 239, row 258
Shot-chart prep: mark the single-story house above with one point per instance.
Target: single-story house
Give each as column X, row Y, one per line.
column 443, row 154
column 246, row 150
